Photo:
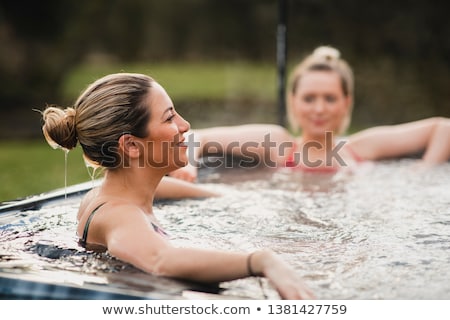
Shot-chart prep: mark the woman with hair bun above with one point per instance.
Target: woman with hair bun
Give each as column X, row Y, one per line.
column 319, row 105
column 127, row 124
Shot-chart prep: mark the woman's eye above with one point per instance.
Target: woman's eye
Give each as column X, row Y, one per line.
column 170, row 118
column 330, row 99
column 308, row 99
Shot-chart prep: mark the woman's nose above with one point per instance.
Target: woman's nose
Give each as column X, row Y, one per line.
column 319, row 106
column 183, row 125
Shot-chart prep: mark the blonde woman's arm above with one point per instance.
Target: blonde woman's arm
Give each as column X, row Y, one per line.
column 264, row 142
column 172, row 188
column 431, row 136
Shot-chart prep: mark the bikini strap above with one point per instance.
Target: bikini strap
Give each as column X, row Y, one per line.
column 355, row 156
column 88, row 222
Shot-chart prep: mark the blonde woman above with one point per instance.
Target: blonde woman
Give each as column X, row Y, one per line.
column 319, row 105
column 127, row 124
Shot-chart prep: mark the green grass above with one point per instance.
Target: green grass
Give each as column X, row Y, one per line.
column 188, row 81
column 33, row 167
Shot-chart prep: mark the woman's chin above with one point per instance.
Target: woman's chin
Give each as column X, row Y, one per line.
column 180, row 164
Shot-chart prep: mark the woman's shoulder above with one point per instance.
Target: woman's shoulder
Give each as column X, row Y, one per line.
column 93, row 199
column 349, row 149
column 87, row 201
column 109, row 212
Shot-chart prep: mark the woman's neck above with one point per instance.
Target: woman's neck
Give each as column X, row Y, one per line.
column 136, row 185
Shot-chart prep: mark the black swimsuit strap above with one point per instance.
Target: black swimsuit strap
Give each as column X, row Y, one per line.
column 88, row 222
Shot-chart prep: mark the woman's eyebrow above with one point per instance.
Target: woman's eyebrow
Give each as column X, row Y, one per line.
column 167, row 110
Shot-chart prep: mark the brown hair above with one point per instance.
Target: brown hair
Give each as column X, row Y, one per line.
column 107, row 109
column 323, row 58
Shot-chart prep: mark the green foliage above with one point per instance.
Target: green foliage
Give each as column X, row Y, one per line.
column 399, row 50
column 189, row 80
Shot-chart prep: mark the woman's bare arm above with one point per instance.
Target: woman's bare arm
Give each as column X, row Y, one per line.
column 172, row 188
column 430, row 135
column 134, row 241
column 264, row 142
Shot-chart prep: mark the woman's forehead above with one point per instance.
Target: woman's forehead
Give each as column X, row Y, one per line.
column 319, row 79
column 158, row 98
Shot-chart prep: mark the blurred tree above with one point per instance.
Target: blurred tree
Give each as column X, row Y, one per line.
column 35, row 49
column 400, row 50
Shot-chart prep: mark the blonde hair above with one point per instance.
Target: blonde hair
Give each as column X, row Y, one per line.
column 323, row 58
column 107, row 109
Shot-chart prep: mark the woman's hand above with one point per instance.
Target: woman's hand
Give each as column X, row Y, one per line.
column 283, row 277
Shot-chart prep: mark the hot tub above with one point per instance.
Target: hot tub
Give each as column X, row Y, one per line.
column 378, row 231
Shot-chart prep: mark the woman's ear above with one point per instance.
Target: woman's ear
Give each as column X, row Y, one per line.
column 129, row 146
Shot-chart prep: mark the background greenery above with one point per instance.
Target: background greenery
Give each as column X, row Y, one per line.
column 32, row 167
column 217, row 60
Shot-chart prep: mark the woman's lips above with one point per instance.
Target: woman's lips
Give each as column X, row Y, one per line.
column 319, row 122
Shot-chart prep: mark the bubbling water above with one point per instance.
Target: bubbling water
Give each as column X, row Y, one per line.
column 381, row 231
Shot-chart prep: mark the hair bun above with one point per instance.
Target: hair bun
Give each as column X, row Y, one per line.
column 327, row 52
column 70, row 113
column 59, row 127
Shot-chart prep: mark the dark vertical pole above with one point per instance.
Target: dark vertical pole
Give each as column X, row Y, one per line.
column 281, row 59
